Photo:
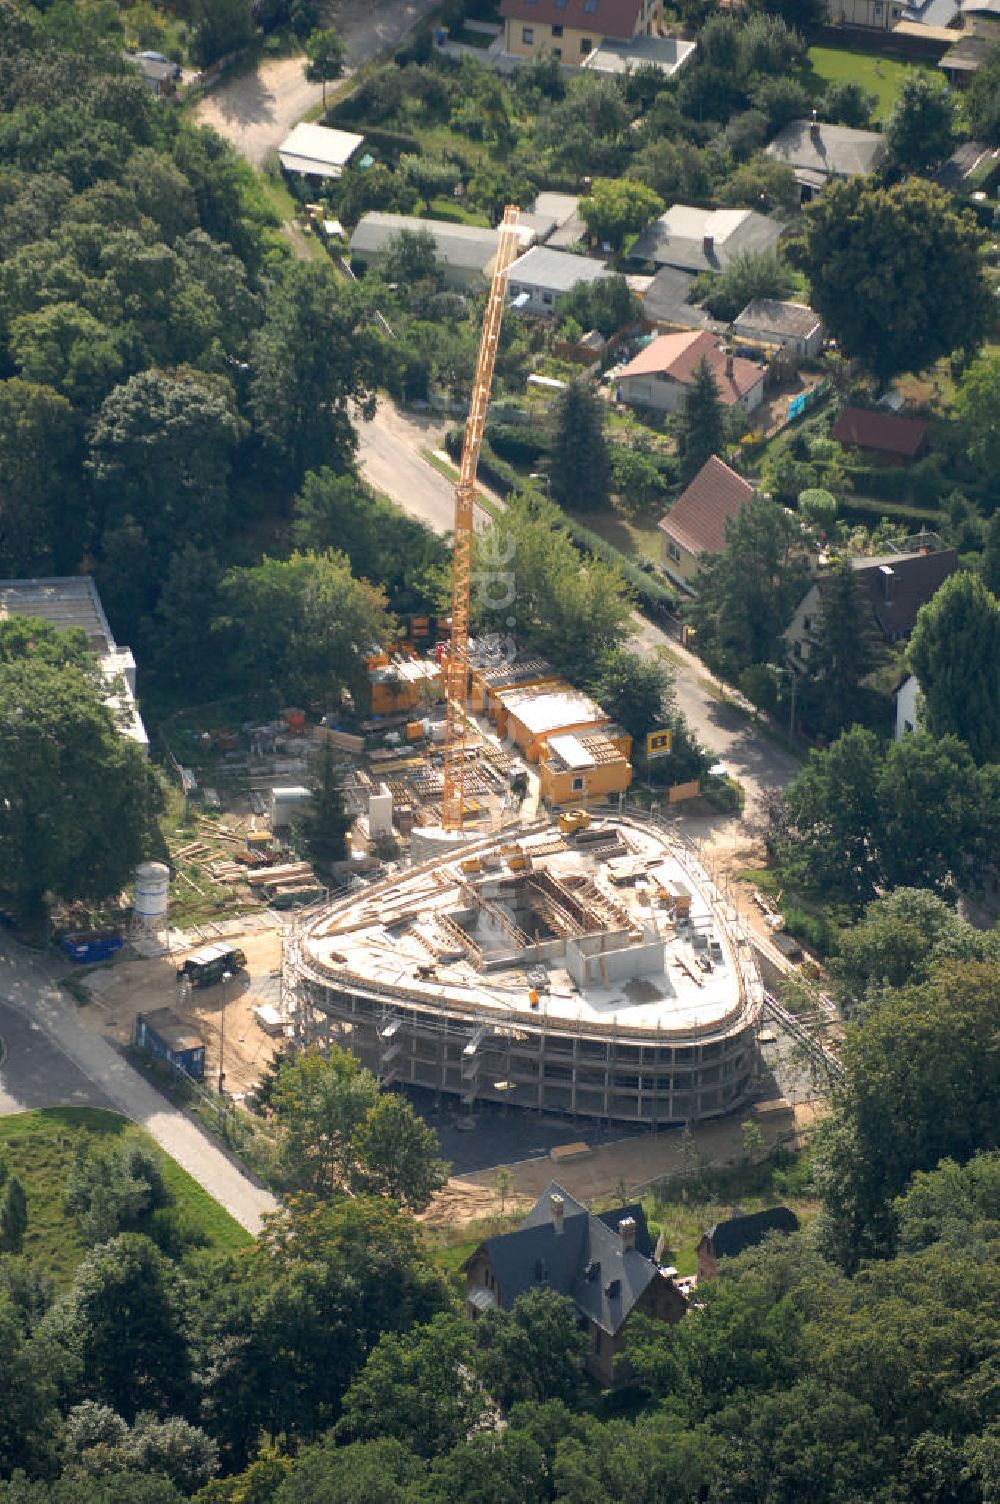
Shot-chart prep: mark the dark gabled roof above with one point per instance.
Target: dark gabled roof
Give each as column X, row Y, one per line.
column 601, row 18
column 886, row 433
column 732, row 1237
column 895, row 599
column 666, row 301
column 697, row 520
column 585, row 1262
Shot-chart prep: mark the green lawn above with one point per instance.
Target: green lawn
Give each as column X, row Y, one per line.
column 879, row 75
column 636, row 537
column 38, row 1148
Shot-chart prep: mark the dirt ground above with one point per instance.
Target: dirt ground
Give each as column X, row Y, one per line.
column 129, row 987
column 602, row 1172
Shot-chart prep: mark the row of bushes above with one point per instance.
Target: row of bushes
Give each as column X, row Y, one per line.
column 871, row 513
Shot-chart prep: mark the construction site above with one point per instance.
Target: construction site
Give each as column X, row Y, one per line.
column 589, row 967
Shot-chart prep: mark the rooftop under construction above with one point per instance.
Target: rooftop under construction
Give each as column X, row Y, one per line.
column 587, row 966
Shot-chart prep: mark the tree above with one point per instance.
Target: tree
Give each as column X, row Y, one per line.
column 79, row 798
column 363, row 1472
column 762, row 184
column 748, row 593
column 189, row 598
column 579, row 467
column 527, row 568
column 13, row 1216
column 637, row 692
column 920, row 131
column 311, row 362
column 325, row 52
column 616, row 208
column 982, row 100
column 418, row 1389
column 411, row 258
column 302, row 628
column 857, row 232
column 702, row 424
column 160, row 454
column 833, row 810
column 319, row 1102
column 42, row 523
column 922, row 1084
column 324, row 824
column 955, row 654
column 844, row 651
column 818, row 507
column 977, row 403
column 848, row 103
column 991, row 556
column 222, row 26
column 749, row 275
column 397, row 1154
column 606, row 305
column 114, row 1187
column 506, row 1467
column 123, row 1322
column 534, row 1351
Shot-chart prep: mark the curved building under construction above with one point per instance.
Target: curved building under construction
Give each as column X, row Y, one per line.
column 588, row 967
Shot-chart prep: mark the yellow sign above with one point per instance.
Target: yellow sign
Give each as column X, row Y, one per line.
column 658, row 744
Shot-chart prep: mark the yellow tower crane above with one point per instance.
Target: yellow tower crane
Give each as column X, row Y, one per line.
column 457, row 669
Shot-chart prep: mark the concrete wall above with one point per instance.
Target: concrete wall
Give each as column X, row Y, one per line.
column 595, row 959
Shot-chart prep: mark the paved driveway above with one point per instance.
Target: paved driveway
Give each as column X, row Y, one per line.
column 36, row 1073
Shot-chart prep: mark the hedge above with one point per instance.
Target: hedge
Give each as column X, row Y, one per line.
column 871, row 512
column 391, row 143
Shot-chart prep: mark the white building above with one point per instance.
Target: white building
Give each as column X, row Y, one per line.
column 74, row 602
column 541, row 276
column 793, row 326
column 318, row 152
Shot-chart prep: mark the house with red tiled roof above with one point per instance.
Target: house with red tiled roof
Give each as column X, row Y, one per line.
column 572, row 29
column 696, row 523
column 660, row 375
column 884, row 435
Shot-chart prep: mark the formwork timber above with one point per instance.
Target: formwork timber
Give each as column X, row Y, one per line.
column 549, row 979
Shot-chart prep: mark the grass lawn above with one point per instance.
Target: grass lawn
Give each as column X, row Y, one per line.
column 38, row 1148
column 879, row 75
column 637, row 538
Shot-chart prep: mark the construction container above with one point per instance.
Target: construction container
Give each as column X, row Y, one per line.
column 258, row 839
column 88, row 947
column 415, row 731
column 573, row 820
column 166, row 1037
column 287, row 805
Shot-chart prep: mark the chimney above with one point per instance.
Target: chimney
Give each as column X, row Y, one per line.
column 888, row 577
column 557, row 1210
column 626, row 1232
column 814, row 126
column 708, row 246
column 729, row 364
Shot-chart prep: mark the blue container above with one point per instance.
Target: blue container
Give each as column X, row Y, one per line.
column 87, row 949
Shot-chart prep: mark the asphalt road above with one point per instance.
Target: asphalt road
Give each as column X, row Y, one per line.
column 75, row 1055
column 36, row 1072
column 390, row 458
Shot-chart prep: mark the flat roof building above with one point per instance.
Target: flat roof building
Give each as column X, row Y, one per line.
column 542, row 275
column 317, row 151
column 71, row 602
column 465, row 253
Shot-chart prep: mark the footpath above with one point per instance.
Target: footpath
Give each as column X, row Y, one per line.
column 26, row 983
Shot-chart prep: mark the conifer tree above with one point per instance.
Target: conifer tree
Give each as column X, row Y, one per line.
column 580, row 469
column 702, row 425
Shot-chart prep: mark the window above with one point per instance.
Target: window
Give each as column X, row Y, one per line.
column 557, row 52
column 547, row 299
column 586, row 45
column 673, row 551
column 577, row 785
column 807, row 623
column 557, row 31
column 527, row 34
column 797, row 648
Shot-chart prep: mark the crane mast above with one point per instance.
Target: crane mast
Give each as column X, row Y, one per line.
column 457, row 668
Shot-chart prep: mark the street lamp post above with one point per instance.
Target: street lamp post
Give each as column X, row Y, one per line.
column 226, row 979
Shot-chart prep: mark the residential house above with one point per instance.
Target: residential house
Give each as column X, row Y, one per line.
column 571, row 29
column 965, row 164
column 159, row 73
column 727, row 1239
column 792, row 326
column 876, row 15
column 602, row 1263
column 465, row 253
column 963, row 61
column 894, row 586
column 73, row 602
column 317, row 152
column 696, row 523
column 661, row 374
column 818, row 152
column 665, row 301
column 554, row 220
column 879, row 434
column 705, row 240
column 541, row 276
column 667, row 54
column 907, row 707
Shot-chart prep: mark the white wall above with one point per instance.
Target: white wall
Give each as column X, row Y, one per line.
column 907, row 707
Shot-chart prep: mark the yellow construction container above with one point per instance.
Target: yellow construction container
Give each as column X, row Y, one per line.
column 414, row 730
column 471, row 864
column 573, row 820
column 257, row 839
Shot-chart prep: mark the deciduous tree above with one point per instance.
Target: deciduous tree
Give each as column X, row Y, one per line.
column 921, row 129
column 616, row 208
column 325, row 52
column 955, row 654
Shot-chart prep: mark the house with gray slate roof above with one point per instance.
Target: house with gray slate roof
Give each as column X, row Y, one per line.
column 604, row 1264
column 725, row 1240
